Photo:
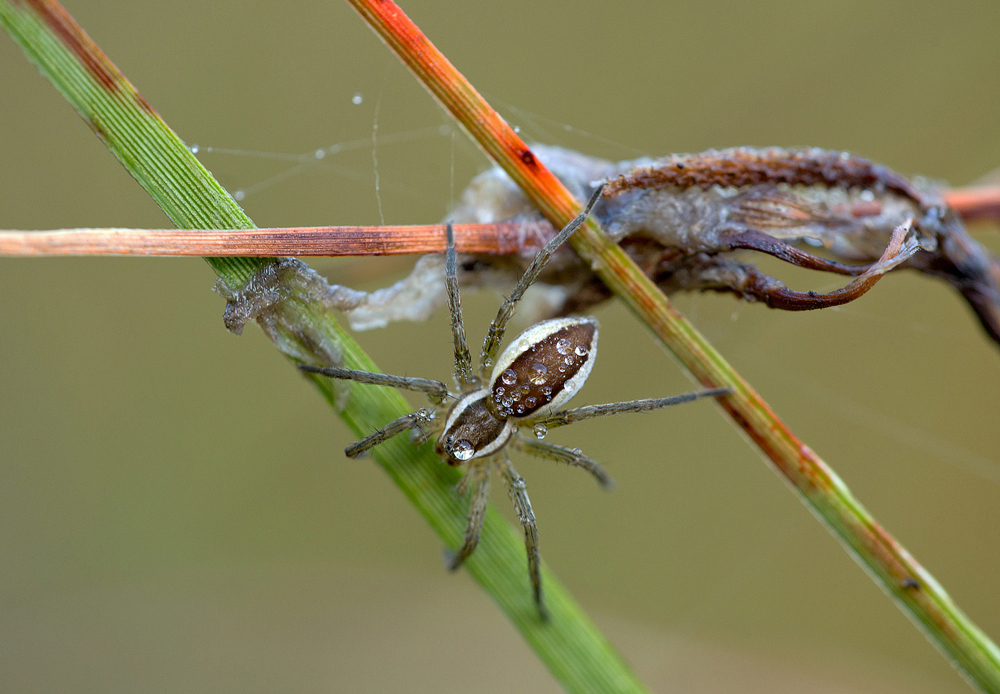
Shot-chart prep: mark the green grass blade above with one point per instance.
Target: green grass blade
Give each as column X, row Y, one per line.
column 576, row 652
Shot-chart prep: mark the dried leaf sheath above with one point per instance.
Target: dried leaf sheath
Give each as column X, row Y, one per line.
column 685, row 238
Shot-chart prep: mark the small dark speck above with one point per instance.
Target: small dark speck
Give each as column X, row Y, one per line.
column 680, row 165
column 910, row 582
column 527, row 157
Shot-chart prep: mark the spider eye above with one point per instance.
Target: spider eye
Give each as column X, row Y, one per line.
column 544, row 367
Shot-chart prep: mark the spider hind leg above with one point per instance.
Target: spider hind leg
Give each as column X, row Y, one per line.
column 477, row 478
column 518, row 493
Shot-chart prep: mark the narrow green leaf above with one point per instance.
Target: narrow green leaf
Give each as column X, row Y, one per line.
column 576, row 652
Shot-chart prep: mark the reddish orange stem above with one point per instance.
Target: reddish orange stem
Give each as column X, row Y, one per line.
column 503, row 238
column 975, row 203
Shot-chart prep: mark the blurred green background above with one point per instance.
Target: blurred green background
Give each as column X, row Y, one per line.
column 176, row 511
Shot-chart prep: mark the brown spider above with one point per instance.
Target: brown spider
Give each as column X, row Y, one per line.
column 540, row 371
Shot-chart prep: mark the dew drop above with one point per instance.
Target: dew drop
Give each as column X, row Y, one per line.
column 538, row 371
column 546, row 391
column 520, row 409
column 580, row 350
column 499, row 391
column 357, row 99
column 320, row 153
column 507, row 402
column 569, row 361
column 540, row 431
column 530, row 401
column 562, row 369
column 239, row 195
column 462, row 450
column 194, row 149
column 509, row 377
column 517, row 128
column 563, row 346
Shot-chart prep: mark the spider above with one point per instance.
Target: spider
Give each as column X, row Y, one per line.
column 538, row 373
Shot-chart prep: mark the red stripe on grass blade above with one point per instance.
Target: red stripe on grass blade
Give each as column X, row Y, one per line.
column 76, row 39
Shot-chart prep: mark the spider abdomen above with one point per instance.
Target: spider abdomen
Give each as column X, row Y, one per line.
column 544, row 367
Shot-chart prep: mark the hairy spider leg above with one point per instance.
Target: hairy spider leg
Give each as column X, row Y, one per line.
column 562, row 454
column 478, row 478
column 463, row 360
column 564, row 417
column 518, row 492
column 573, row 456
column 413, row 420
column 437, row 390
column 494, row 337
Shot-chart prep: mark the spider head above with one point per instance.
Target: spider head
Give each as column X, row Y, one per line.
column 473, row 429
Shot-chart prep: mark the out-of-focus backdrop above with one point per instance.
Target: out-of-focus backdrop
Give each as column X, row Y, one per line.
column 176, row 510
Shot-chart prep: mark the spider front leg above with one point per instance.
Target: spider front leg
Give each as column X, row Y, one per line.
column 436, row 390
column 478, row 478
column 463, row 360
column 494, row 337
column 518, row 493
column 414, row 420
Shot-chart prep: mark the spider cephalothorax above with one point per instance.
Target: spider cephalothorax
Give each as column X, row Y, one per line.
column 538, row 373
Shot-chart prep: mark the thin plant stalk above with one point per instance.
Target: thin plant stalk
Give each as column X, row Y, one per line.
column 498, row 238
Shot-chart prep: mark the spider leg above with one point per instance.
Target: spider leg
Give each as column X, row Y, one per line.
column 414, row 420
column 564, row 417
column 494, row 338
column 463, row 360
column 570, row 456
column 478, row 477
column 423, row 434
column 518, row 493
column 435, row 389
